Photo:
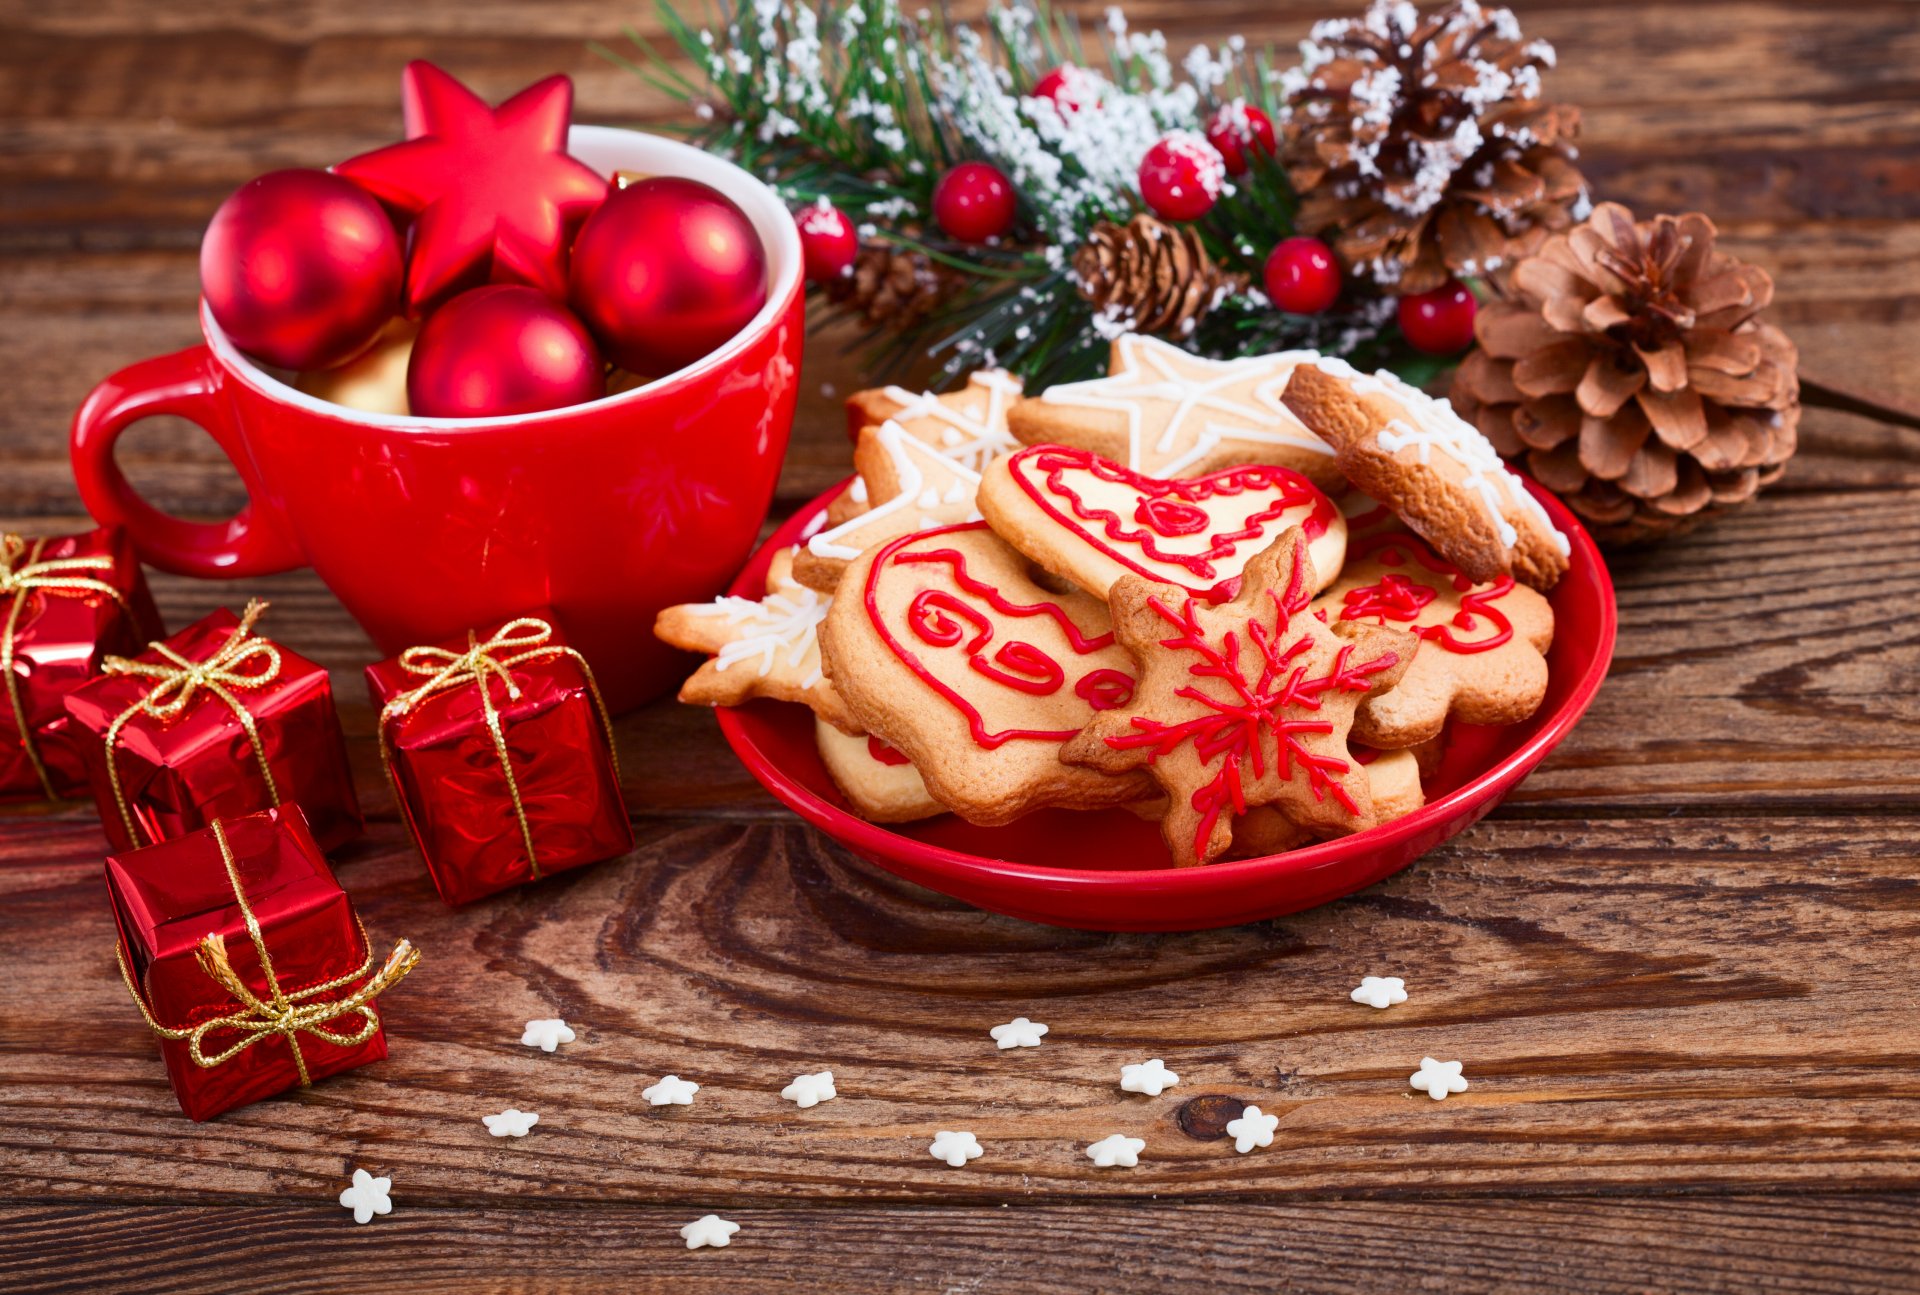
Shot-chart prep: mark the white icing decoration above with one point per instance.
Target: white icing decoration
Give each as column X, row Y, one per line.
column 1116, row 1150
column 368, row 1196
column 709, row 1230
column 1149, row 1077
column 1018, row 1033
column 1380, row 991
column 810, row 1090
column 547, row 1034
column 955, row 1147
column 510, row 1123
column 1438, row 1078
column 787, row 621
column 970, row 442
column 670, row 1091
column 912, row 460
column 1253, row 1129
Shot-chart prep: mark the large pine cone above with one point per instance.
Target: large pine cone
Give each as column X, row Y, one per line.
column 1631, row 372
column 894, row 288
column 1420, row 147
column 1153, row 276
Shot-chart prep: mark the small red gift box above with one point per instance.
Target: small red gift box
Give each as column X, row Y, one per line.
column 65, row 604
column 501, row 756
column 246, row 959
column 215, row 722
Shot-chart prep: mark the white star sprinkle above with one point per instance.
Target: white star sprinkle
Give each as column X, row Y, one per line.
column 1253, row 1129
column 547, row 1035
column 510, row 1123
column 1116, row 1149
column 368, row 1196
column 1149, row 1077
column 810, row 1090
column 1018, row 1033
column 956, row 1148
column 709, row 1230
column 671, row 1091
column 1380, row 991
column 1438, row 1078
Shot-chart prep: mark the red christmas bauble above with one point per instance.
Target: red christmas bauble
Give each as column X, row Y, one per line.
column 502, row 349
column 1439, row 322
column 1070, row 88
column 1234, row 129
column 828, row 242
column 974, row 202
column 1181, row 176
column 665, row 271
column 301, row 268
column 1302, row 278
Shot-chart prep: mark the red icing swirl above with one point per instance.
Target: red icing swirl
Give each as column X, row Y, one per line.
column 1401, row 598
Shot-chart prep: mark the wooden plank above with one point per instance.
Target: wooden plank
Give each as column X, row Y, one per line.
column 1640, row 1004
column 1803, row 1245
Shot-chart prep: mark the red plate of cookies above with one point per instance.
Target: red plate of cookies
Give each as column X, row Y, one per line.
column 1286, row 695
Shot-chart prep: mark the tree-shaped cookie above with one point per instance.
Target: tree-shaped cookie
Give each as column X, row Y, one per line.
column 1483, row 660
column 767, row 647
column 1243, row 703
column 1165, row 412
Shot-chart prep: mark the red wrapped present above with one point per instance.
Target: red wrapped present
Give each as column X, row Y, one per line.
column 501, row 756
column 215, row 722
column 246, row 959
column 65, row 604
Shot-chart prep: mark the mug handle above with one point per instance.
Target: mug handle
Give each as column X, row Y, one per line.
column 187, row 383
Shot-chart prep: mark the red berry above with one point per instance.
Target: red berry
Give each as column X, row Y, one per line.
column 1181, row 176
column 1070, row 88
column 828, row 242
column 1236, row 126
column 1439, row 322
column 1302, row 276
column 974, row 202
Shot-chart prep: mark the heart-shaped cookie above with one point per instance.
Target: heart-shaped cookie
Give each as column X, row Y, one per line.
column 1091, row 520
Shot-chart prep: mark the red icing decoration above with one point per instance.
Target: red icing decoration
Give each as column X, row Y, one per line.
column 1105, row 689
column 1401, row 598
column 945, row 620
column 1167, row 510
column 885, row 754
column 1232, row 733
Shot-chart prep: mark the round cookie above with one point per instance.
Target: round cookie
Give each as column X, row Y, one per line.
column 880, row 783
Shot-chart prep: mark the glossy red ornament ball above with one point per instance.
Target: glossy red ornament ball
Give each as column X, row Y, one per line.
column 301, row 268
column 828, row 241
column 1237, row 128
column 974, row 202
column 1070, row 88
column 502, row 349
column 1181, row 176
column 665, row 272
column 1439, row 322
column 1302, row 278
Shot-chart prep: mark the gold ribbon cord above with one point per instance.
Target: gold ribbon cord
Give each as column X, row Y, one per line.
column 280, row 1013
column 520, row 640
column 22, row 572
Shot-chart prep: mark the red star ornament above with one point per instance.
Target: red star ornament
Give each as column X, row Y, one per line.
column 494, row 196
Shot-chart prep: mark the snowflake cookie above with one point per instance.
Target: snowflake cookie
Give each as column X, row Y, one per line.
column 769, row 647
column 1243, row 703
column 1438, row 1078
column 955, row 1148
column 547, row 1035
column 367, row 1196
column 709, row 1230
column 1116, row 1151
column 1436, row 470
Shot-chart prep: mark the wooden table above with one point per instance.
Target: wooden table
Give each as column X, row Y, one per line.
column 1678, row 963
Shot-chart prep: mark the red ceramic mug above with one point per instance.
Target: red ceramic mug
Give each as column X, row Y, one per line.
column 605, row 512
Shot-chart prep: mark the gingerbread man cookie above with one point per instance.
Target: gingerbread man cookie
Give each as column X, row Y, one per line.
column 1483, row 661
column 1092, row 521
column 946, row 649
column 764, row 648
column 880, row 783
column 910, row 486
column 1434, row 469
column 1164, row 412
column 1243, row 703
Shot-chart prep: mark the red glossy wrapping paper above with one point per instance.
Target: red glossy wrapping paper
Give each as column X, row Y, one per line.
column 181, row 773
column 59, row 638
column 166, row 897
column 454, row 793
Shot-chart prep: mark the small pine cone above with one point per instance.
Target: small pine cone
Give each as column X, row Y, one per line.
column 894, row 288
column 1630, row 372
column 1153, row 276
column 1421, row 148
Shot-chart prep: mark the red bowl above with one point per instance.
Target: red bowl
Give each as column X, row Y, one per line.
column 1107, row 871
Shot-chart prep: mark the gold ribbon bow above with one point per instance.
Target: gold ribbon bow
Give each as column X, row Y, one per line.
column 526, row 638
column 22, row 572
column 243, row 662
column 279, row 1014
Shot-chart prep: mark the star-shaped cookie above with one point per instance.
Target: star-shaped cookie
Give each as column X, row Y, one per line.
column 910, row 486
column 764, row 648
column 1433, row 468
column 1483, row 659
column 1167, row 413
column 969, row 426
column 1243, row 703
